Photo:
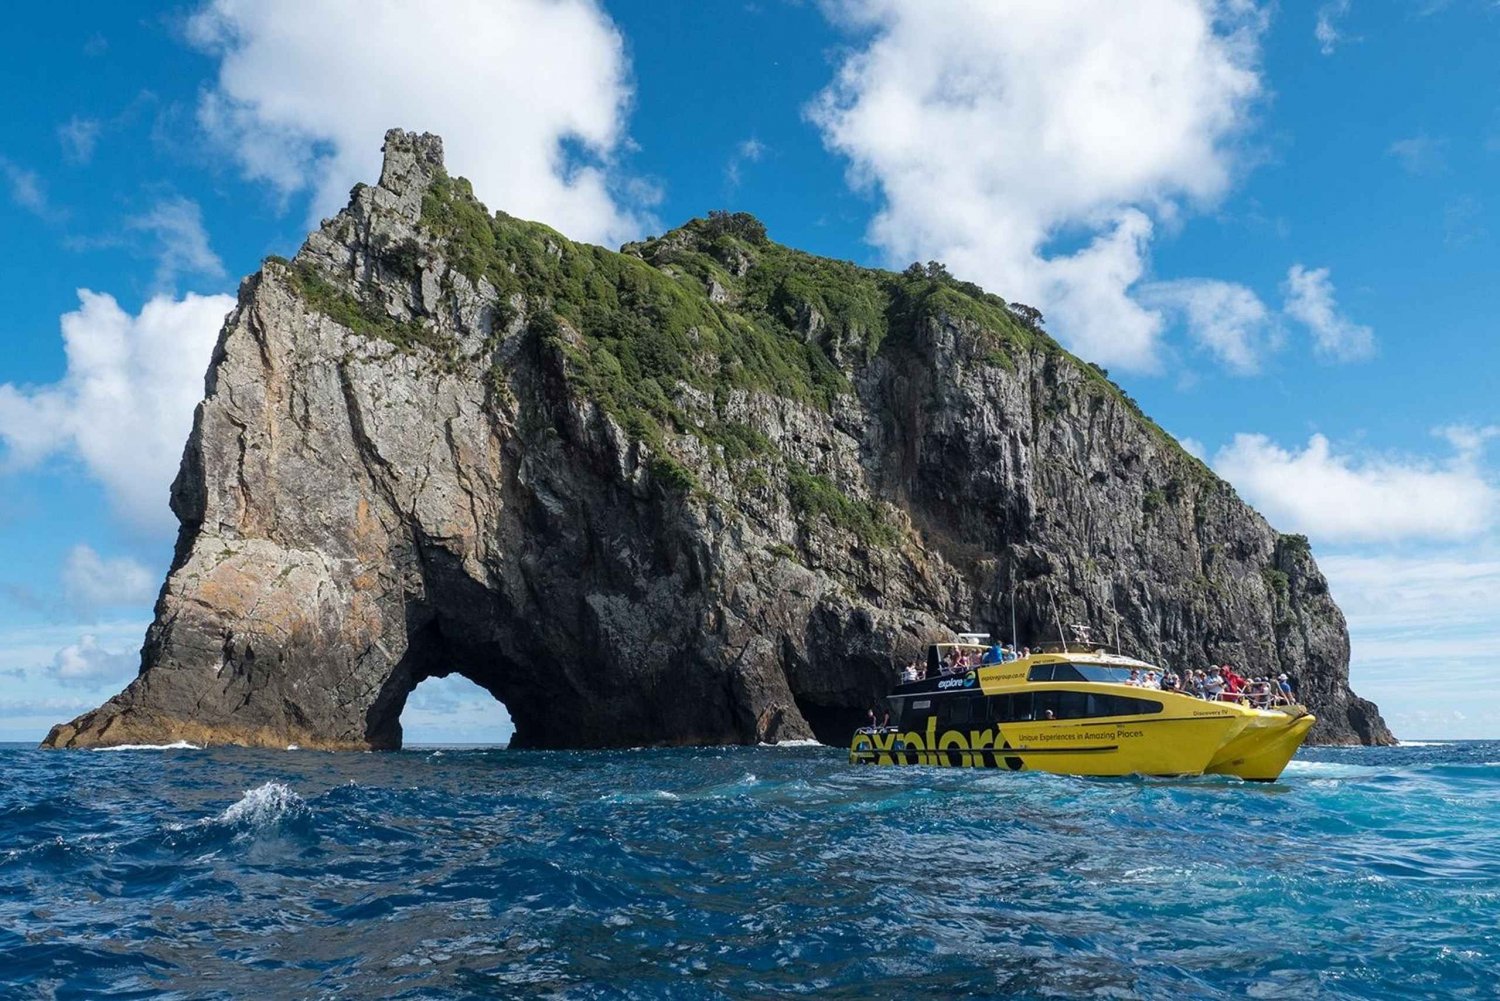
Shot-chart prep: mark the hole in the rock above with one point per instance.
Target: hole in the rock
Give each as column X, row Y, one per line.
column 454, row 710
column 832, row 725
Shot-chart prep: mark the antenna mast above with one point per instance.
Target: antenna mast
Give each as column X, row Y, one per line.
column 1061, row 634
column 1015, row 640
column 1115, row 614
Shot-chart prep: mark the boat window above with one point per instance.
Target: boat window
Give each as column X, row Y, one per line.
column 1010, row 708
column 1062, row 705
column 1079, row 672
column 960, row 710
column 1098, row 672
column 1058, row 672
column 1121, row 705
column 1076, row 705
column 1072, row 705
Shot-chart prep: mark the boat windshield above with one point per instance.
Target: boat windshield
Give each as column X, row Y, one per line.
column 1080, row 672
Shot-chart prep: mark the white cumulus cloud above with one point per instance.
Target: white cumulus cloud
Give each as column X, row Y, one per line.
column 125, row 405
column 1310, row 300
column 1035, row 146
column 1225, row 318
column 91, row 581
column 1343, row 498
column 305, row 92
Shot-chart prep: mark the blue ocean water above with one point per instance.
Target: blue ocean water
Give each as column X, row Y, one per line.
column 742, row 873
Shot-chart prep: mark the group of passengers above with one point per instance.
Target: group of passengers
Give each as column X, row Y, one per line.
column 1221, row 684
column 961, row 661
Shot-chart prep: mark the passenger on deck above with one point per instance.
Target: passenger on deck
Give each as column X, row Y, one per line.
column 1025, row 652
column 1285, row 688
column 909, row 673
column 1214, row 686
column 994, row 655
column 1200, row 681
column 1134, row 679
column 1169, row 681
column 1151, row 680
column 1232, row 685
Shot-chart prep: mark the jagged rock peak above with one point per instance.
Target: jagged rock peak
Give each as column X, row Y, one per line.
column 412, row 161
column 707, row 490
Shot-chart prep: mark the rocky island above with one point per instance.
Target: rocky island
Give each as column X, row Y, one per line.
column 707, row 489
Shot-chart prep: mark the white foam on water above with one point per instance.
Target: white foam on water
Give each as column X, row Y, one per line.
column 293, row 747
column 262, row 806
column 180, row 745
column 654, row 795
column 1424, row 743
column 794, row 743
column 1332, row 769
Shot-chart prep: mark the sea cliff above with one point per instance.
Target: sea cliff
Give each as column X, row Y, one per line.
column 707, row 489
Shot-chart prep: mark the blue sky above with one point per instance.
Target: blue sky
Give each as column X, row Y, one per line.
column 1276, row 226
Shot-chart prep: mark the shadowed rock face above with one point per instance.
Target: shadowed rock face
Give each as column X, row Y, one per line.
column 707, row 490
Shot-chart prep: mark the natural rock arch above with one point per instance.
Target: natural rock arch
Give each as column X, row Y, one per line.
column 400, row 470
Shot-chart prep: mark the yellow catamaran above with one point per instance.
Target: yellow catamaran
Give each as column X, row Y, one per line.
column 1071, row 711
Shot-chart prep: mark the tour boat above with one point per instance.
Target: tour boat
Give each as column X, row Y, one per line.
column 1069, row 710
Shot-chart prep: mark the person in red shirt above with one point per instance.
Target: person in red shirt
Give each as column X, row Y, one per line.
column 1234, row 685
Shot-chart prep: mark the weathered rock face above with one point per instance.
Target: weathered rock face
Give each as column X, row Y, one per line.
column 705, row 490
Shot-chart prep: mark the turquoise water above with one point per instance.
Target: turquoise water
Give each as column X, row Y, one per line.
column 745, row 872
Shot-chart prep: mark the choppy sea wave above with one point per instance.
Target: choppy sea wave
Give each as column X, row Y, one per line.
column 745, row 872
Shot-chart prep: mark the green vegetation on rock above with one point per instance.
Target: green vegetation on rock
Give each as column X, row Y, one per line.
column 364, row 317
column 715, row 306
column 814, row 496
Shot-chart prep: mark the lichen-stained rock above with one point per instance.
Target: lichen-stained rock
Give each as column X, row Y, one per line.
column 708, row 489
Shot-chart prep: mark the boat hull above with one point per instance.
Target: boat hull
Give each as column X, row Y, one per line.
column 1250, row 744
column 1261, row 751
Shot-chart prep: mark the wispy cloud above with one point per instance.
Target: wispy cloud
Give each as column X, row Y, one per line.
column 1225, row 318
column 87, row 664
column 1310, row 300
column 92, row 582
column 25, row 187
column 180, row 241
column 750, row 150
column 1326, row 30
column 1420, row 154
column 78, row 137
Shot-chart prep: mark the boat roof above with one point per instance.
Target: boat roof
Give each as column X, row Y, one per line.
column 1054, row 652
